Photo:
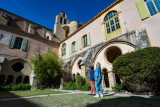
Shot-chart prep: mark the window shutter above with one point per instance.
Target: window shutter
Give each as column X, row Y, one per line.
column 88, row 39
column 11, row 45
column 142, row 9
column 76, row 46
column 24, row 46
column 70, row 48
column 80, row 43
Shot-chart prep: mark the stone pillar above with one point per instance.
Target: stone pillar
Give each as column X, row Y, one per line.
column 61, row 84
column 83, row 71
column 33, row 81
column 112, row 79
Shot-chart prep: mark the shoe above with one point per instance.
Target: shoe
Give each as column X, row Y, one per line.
column 101, row 95
column 97, row 95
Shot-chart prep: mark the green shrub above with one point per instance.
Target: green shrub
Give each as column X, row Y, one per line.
column 15, row 87
column 71, row 86
column 119, row 88
column 140, row 70
column 80, row 81
column 48, row 69
column 86, row 87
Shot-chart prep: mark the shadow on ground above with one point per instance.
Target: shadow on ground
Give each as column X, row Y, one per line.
column 17, row 103
column 127, row 102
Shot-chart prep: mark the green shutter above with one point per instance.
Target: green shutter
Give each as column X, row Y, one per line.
column 88, row 39
column 80, row 43
column 11, row 45
column 24, row 46
column 70, row 51
column 76, row 45
column 142, row 9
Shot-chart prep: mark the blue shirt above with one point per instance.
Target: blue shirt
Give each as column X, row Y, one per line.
column 98, row 74
column 91, row 75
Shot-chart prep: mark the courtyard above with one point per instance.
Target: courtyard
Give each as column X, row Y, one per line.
column 77, row 99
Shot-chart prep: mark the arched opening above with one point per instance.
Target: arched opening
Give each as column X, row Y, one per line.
column 112, row 53
column 9, row 80
column 26, row 79
column 19, row 80
column 2, row 78
column 17, row 67
column 106, row 78
column 61, row 20
column 74, row 77
column 118, row 81
column 79, row 64
column 65, row 21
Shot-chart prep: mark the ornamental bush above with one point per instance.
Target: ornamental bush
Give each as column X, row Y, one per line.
column 15, row 87
column 140, row 70
column 48, row 69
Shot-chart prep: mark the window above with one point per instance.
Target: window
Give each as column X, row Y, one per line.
column 84, row 41
column 73, row 47
column 64, row 49
column 153, row 6
column 18, row 43
column 112, row 22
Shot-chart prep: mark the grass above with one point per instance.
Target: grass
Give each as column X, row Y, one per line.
column 83, row 100
column 16, row 94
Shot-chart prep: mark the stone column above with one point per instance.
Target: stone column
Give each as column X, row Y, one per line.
column 33, row 81
column 112, row 79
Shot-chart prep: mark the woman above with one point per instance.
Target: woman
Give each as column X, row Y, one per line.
column 98, row 80
column 92, row 79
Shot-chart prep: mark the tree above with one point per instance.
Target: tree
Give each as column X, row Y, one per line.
column 140, row 70
column 48, row 69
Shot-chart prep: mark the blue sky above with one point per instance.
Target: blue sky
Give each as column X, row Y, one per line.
column 44, row 12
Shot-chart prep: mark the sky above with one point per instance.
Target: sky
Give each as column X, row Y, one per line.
column 44, row 12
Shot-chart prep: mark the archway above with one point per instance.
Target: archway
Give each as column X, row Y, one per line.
column 26, row 79
column 9, row 80
column 2, row 78
column 106, row 78
column 19, row 80
column 76, row 67
column 118, row 81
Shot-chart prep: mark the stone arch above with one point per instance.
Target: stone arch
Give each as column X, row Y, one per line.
column 76, row 67
column 105, row 77
column 19, row 79
column 25, row 69
column 2, row 79
column 26, row 79
column 48, row 36
column 100, row 56
column 10, row 80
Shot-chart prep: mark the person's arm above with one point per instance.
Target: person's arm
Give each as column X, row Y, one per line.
column 96, row 74
column 90, row 67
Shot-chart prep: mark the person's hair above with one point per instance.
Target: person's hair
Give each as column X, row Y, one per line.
column 92, row 68
column 98, row 65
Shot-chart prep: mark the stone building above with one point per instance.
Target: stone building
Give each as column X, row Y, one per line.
column 124, row 26
column 19, row 40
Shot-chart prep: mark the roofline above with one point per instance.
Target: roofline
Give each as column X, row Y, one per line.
column 94, row 18
column 14, row 29
column 25, row 19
